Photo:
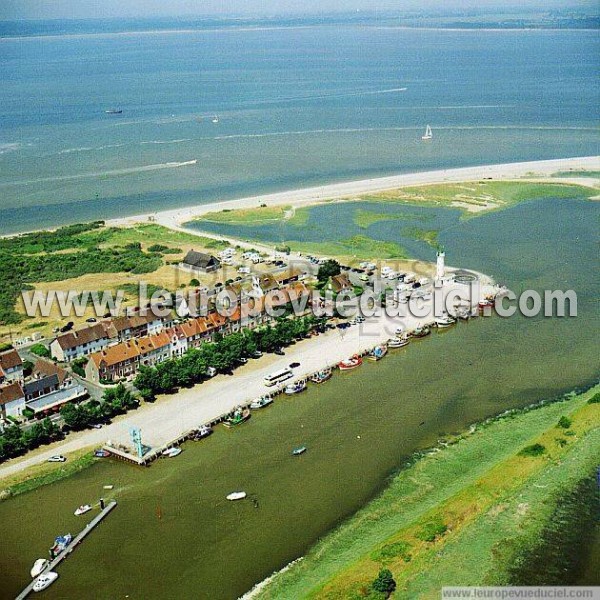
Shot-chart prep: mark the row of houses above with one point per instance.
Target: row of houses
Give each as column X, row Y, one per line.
column 124, row 359
column 44, row 391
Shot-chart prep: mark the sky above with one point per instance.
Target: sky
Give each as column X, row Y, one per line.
column 80, row 9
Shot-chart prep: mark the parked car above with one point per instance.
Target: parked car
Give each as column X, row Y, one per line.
column 90, row 320
column 97, row 426
column 279, row 352
column 58, row 458
column 211, row 371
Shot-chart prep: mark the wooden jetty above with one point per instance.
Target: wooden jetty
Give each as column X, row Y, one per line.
column 71, row 547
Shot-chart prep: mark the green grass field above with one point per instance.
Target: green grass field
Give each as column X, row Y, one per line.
column 458, row 516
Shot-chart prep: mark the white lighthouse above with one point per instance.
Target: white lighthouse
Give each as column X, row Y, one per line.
column 440, row 269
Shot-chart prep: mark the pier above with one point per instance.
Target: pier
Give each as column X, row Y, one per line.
column 71, row 547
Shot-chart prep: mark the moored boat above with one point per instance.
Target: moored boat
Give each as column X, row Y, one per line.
column 237, row 417
column 378, row 352
column 398, row 342
column 202, row 432
column 101, row 453
column 44, row 581
column 261, row 402
column 296, row 387
column 83, row 509
column 39, row 566
column 444, row 321
column 60, row 543
column 321, row 376
column 236, row 496
column 420, row 332
column 350, row 363
column 298, row 451
column 171, row 452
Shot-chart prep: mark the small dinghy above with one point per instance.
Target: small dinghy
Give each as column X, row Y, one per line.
column 39, row 566
column 236, row 496
column 171, row 452
column 44, row 581
column 298, row 451
column 83, row 509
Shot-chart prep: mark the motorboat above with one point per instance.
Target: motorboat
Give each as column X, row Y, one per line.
column 398, row 342
column 60, row 543
column 39, row 566
column 350, row 363
column 444, row 321
column 202, row 432
column 378, row 352
column 261, row 402
column 420, row 332
column 83, row 509
column 298, row 451
column 236, row 496
column 44, row 581
column 171, row 452
column 237, row 417
column 321, row 376
column 101, row 453
column 296, row 387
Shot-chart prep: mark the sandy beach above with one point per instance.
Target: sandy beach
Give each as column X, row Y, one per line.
column 533, row 170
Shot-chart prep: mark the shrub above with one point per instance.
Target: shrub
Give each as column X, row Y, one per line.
column 432, row 530
column 564, row 422
column 40, row 350
column 533, row 450
column 595, row 399
column 391, row 551
column 194, row 283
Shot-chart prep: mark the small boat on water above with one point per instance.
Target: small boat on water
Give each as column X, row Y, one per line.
column 60, row 543
column 377, row 353
column 261, row 402
column 237, row 417
column 108, row 486
column 420, row 332
column 350, row 363
column 202, row 432
column 101, row 453
column 44, row 581
column 39, row 566
column 215, row 119
column 113, row 111
column 444, row 321
column 298, row 451
column 171, row 452
column 321, row 376
column 83, row 509
column 236, row 496
column 296, row 387
column 398, row 342
column 428, row 133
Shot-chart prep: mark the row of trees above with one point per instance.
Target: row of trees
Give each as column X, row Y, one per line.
column 115, row 401
column 223, row 354
column 14, row 441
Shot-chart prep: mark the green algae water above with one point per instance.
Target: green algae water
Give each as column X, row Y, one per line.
column 174, row 535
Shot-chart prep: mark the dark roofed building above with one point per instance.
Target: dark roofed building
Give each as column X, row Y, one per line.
column 200, row 261
column 40, row 387
column 11, row 366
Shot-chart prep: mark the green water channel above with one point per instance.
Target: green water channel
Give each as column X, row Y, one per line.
column 174, row 535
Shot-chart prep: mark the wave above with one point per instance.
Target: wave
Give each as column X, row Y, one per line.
column 7, row 147
column 166, row 141
column 114, row 172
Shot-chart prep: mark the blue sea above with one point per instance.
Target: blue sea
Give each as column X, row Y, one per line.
column 296, row 104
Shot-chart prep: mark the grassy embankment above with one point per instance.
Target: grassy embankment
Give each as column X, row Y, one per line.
column 460, row 516
column 93, row 258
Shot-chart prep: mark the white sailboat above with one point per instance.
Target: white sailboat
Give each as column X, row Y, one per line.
column 428, row 133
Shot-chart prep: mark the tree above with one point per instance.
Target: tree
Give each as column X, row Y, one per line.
column 564, row 422
column 384, row 582
column 40, row 350
column 194, row 283
column 328, row 269
column 75, row 416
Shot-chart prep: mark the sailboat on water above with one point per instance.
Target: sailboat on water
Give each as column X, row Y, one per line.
column 428, row 133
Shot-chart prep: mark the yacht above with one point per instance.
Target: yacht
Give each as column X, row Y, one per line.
column 236, row 496
column 171, row 452
column 202, row 432
column 296, row 388
column 44, row 581
column 428, row 133
column 39, row 566
column 444, row 321
column 298, row 451
column 83, row 509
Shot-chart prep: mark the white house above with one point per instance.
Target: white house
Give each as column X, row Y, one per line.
column 12, row 400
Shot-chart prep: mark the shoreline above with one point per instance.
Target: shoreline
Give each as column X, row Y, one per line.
column 531, row 171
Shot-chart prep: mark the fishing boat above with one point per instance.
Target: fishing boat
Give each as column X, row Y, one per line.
column 350, row 363
column 215, row 119
column 420, row 332
column 83, row 509
column 428, row 133
column 398, row 342
column 236, row 496
column 44, row 581
column 202, row 432
column 377, row 353
column 298, row 451
column 261, row 402
column 39, row 566
column 101, row 453
column 171, row 452
column 296, row 387
column 237, row 417
column 321, row 376
column 444, row 321
column 60, row 543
